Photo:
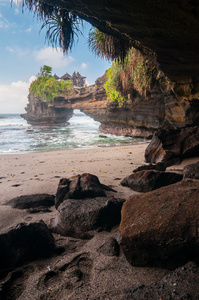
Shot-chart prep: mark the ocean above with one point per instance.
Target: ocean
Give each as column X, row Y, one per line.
column 17, row 136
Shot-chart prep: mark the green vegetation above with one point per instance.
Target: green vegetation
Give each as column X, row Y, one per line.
column 47, row 87
column 112, row 83
column 124, row 77
column 107, row 46
column 63, row 25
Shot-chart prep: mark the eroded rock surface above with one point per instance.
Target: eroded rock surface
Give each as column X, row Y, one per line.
column 39, row 112
column 158, row 167
column 160, row 228
column 78, row 218
column 191, row 171
column 32, row 201
column 167, row 145
column 79, row 187
column 149, row 180
column 23, row 243
column 110, row 248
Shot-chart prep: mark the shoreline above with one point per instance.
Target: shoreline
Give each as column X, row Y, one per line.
column 73, row 149
column 105, row 162
column 40, row 173
column 103, row 275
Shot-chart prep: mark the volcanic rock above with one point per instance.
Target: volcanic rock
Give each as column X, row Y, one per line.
column 40, row 112
column 77, row 217
column 79, row 187
column 191, row 171
column 158, row 167
column 160, row 228
column 32, row 201
column 110, row 248
column 170, row 144
column 149, row 180
column 25, row 242
column 181, row 284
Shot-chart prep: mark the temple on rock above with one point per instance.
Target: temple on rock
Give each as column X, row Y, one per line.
column 77, row 79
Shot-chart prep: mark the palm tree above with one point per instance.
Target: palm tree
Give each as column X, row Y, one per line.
column 62, row 28
column 107, row 46
column 62, row 25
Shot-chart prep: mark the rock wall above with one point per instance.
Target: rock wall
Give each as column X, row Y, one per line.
column 169, row 29
column 140, row 116
column 39, row 112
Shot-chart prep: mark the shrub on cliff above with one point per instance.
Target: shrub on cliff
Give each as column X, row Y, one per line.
column 132, row 75
column 46, row 87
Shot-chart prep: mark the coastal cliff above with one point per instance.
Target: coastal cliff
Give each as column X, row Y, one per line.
column 140, row 116
column 39, row 112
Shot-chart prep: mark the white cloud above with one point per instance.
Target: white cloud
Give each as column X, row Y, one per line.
column 53, row 57
column 18, row 50
column 0, row 15
column 13, row 97
column 83, row 66
column 28, row 29
column 87, row 83
column 10, row 49
column 16, row 11
column 4, row 23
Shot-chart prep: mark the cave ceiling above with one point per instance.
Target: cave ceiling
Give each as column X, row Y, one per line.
column 169, row 28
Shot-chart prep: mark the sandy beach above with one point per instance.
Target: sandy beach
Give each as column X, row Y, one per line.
column 104, row 277
column 33, row 172
column 40, row 172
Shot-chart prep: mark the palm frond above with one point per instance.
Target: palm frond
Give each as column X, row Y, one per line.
column 62, row 25
column 106, row 46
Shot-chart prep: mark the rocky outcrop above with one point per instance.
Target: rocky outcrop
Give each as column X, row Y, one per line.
column 174, row 38
column 149, row 180
column 79, row 187
column 167, row 34
column 24, row 243
column 191, row 171
column 110, row 248
column 32, row 201
column 83, row 206
column 80, row 217
column 160, row 228
column 140, row 116
column 39, row 112
column 168, row 145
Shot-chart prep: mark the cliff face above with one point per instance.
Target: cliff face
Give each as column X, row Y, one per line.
column 140, row 116
column 39, row 112
column 168, row 29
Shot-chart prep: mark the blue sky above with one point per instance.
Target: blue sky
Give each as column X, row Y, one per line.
column 23, row 51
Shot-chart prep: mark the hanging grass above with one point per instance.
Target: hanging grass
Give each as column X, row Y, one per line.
column 134, row 73
column 107, row 46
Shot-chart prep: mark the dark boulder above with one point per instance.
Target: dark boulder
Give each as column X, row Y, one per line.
column 32, row 201
column 160, row 228
column 24, row 243
column 158, row 167
column 110, row 248
column 77, row 217
column 191, row 171
column 181, row 284
column 168, row 145
column 79, row 187
column 145, row 181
